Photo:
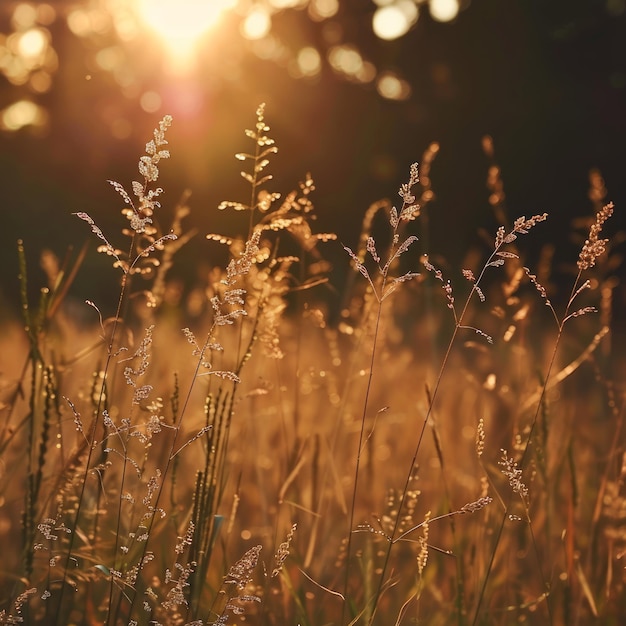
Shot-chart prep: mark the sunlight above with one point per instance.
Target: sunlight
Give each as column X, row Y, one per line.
column 181, row 23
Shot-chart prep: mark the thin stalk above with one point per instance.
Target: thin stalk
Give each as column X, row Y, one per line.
column 380, row 292
column 360, row 450
column 521, row 226
column 118, row 523
column 171, row 455
column 561, row 325
column 91, row 440
column 334, row 439
column 218, row 321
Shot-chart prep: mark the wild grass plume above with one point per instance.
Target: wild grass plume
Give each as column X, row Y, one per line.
column 427, row 444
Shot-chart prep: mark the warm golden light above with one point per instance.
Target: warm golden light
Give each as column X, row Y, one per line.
column 393, row 20
column 181, row 23
column 323, row 9
column 32, row 43
column 21, row 114
column 444, row 10
column 257, row 24
column 150, row 101
column 392, row 87
column 347, row 61
column 309, row 61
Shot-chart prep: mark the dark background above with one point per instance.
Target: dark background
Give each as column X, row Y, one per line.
column 546, row 79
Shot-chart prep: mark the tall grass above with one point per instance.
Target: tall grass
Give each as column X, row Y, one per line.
column 449, row 449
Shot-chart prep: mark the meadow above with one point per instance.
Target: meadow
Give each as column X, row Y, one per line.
column 423, row 445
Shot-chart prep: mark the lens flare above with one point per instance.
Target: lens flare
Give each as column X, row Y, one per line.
column 181, row 23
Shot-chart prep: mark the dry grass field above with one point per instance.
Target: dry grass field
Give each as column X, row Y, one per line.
column 428, row 445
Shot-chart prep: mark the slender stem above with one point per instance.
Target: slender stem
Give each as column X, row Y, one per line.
column 171, row 456
column 458, row 325
column 410, row 472
column 360, row 449
column 113, row 614
column 524, row 455
column 91, row 440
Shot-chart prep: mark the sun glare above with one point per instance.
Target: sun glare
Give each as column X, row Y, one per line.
column 181, row 23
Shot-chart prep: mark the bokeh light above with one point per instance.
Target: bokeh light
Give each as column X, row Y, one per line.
column 87, row 22
column 390, row 86
column 21, row 114
column 444, row 10
column 138, row 43
column 309, row 61
column 32, row 43
column 257, row 24
column 394, row 20
column 347, row 61
column 26, row 55
column 24, row 15
column 323, row 9
column 150, row 101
